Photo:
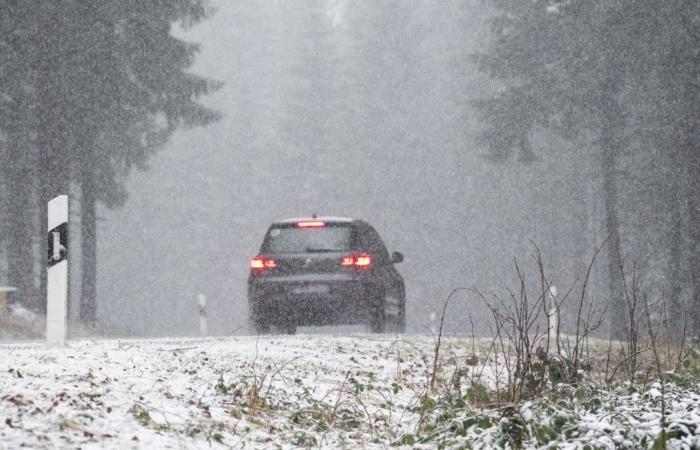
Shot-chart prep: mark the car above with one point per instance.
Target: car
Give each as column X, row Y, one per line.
column 321, row 271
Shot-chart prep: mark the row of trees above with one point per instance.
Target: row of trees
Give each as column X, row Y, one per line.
column 621, row 81
column 351, row 107
column 363, row 106
column 88, row 91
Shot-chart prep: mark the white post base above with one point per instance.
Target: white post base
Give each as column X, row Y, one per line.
column 553, row 316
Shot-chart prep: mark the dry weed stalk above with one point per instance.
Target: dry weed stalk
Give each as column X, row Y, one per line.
column 521, row 332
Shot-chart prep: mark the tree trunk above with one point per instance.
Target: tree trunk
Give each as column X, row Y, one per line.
column 20, row 256
column 53, row 167
column 618, row 314
column 692, row 164
column 675, row 307
column 43, row 209
column 88, row 248
column 19, row 207
column 611, row 137
column 694, row 307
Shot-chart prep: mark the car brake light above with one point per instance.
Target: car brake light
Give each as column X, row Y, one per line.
column 311, row 224
column 261, row 263
column 361, row 260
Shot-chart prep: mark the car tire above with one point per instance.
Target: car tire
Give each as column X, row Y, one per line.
column 287, row 328
column 401, row 317
column 377, row 316
column 258, row 325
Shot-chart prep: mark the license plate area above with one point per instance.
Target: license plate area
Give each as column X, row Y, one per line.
column 310, row 288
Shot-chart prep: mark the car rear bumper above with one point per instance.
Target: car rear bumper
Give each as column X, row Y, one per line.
column 305, row 301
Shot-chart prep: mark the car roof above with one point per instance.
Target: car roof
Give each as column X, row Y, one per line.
column 333, row 219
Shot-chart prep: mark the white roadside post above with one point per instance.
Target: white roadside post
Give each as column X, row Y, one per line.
column 57, row 276
column 202, row 303
column 553, row 316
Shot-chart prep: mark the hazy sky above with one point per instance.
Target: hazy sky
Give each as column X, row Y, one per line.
column 197, row 216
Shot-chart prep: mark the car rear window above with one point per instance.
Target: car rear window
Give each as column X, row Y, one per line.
column 330, row 238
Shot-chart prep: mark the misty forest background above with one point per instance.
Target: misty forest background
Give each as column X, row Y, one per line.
column 464, row 130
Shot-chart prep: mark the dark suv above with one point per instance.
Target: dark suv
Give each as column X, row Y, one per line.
column 325, row 271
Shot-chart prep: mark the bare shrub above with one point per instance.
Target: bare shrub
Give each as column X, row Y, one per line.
column 652, row 344
column 521, row 325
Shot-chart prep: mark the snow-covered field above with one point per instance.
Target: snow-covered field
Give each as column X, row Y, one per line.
column 272, row 391
column 356, row 391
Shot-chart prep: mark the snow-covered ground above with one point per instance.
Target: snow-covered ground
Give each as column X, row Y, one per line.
column 355, row 391
column 198, row 393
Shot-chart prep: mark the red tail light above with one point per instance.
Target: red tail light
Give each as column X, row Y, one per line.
column 311, row 224
column 260, row 263
column 360, row 260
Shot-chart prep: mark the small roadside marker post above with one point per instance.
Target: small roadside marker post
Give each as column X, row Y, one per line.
column 57, row 276
column 553, row 317
column 202, row 303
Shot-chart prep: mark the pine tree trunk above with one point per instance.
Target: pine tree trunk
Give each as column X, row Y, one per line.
column 675, row 307
column 43, row 209
column 19, row 206
column 19, row 224
column 53, row 174
column 618, row 315
column 692, row 161
column 611, row 133
column 88, row 248
column 693, row 217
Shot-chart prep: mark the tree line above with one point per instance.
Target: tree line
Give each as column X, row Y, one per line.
column 88, row 92
column 620, row 80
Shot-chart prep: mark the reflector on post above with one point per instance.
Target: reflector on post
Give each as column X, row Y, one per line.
column 57, row 268
column 202, row 306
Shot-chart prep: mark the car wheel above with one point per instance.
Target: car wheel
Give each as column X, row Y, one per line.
column 288, row 328
column 259, row 327
column 257, row 323
column 401, row 317
column 377, row 316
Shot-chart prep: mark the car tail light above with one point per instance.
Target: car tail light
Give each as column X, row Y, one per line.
column 260, row 263
column 360, row 260
column 311, row 224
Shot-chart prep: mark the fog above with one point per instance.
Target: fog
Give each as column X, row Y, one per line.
column 467, row 151
column 388, row 137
